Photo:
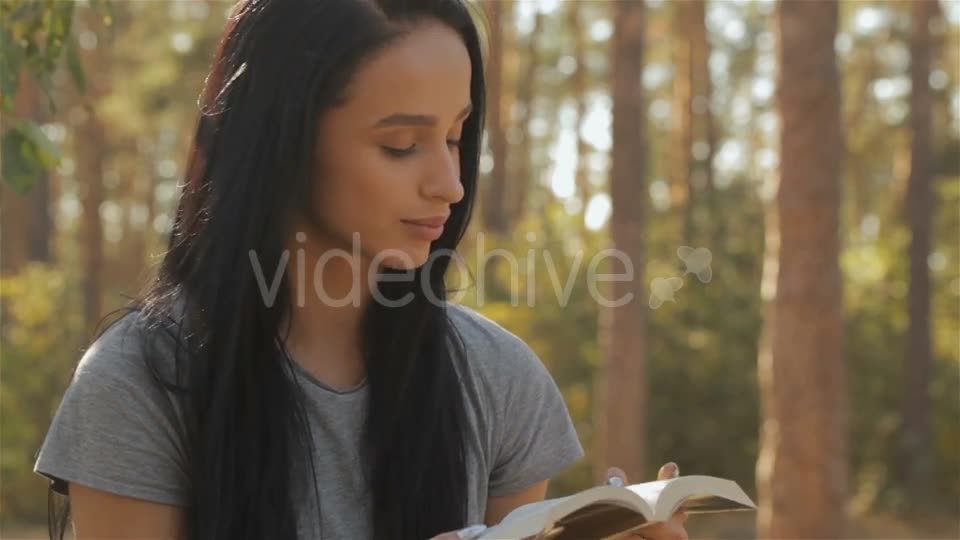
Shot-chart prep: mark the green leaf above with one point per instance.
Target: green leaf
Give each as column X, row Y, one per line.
column 58, row 32
column 11, row 57
column 19, row 170
column 44, row 79
column 27, row 152
column 76, row 67
column 45, row 151
column 107, row 8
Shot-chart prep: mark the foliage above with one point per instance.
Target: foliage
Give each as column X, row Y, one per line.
column 40, row 342
column 35, row 37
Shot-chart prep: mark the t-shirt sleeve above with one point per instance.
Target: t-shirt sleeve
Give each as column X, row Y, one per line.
column 535, row 438
column 116, row 429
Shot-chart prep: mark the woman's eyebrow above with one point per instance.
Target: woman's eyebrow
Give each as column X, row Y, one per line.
column 407, row 119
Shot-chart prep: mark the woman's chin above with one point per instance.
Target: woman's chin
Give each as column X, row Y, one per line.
column 411, row 259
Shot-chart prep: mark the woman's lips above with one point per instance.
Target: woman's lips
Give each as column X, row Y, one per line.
column 428, row 229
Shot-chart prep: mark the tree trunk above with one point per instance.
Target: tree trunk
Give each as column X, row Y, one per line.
column 802, row 469
column 13, row 237
column 494, row 203
column 525, row 92
column 91, row 147
column 692, row 121
column 914, row 460
column 40, row 222
column 578, row 82
column 860, row 144
column 621, row 410
column 701, row 173
column 681, row 134
column 143, row 195
column 27, row 225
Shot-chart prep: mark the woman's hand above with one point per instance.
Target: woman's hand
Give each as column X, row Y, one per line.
column 671, row 529
column 467, row 533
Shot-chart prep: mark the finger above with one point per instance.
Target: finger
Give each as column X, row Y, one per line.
column 616, row 476
column 648, row 530
column 662, row 531
column 668, row 471
column 474, row 531
column 467, row 533
column 653, row 531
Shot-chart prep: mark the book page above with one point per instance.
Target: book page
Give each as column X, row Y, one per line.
column 650, row 491
column 604, row 511
column 523, row 512
column 583, row 507
column 525, row 520
column 700, row 494
column 599, row 520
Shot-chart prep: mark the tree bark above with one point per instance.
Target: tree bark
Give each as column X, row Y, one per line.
column 802, row 469
column 914, row 465
column 578, row 83
column 704, row 129
column 27, row 224
column 692, row 121
column 525, row 93
column 91, row 147
column 681, row 134
column 622, row 397
column 494, row 203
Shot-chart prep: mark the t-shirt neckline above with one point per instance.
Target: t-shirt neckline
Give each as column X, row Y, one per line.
column 312, row 379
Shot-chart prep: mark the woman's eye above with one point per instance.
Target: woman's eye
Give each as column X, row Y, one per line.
column 399, row 152
column 402, row 152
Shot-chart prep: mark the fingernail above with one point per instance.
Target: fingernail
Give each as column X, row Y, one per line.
column 615, row 481
column 473, row 531
column 672, row 468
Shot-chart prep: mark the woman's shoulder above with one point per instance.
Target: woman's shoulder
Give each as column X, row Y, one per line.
column 530, row 433
column 482, row 332
column 495, row 352
column 117, row 429
column 131, row 349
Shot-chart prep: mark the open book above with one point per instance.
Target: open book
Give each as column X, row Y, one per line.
column 606, row 511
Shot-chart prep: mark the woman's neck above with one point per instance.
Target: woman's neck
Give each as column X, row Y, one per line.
column 328, row 295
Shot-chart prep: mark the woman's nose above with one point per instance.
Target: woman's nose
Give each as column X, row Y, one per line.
column 443, row 179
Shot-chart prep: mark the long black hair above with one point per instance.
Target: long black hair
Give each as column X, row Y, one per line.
column 279, row 66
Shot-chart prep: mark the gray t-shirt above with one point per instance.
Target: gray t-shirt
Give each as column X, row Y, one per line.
column 117, row 430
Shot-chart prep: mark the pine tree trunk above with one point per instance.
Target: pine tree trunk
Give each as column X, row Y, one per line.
column 621, row 409
column 494, row 203
column 91, row 147
column 700, row 180
column 27, row 224
column 681, row 118
column 13, row 237
column 578, row 83
column 692, row 121
column 802, row 469
column 914, row 462
column 525, row 93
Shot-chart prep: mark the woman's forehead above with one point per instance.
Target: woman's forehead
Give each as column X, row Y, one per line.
column 427, row 71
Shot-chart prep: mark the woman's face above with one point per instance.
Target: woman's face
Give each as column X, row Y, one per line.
column 388, row 168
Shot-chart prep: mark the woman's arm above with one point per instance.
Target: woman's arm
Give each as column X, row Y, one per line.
column 103, row 515
column 498, row 507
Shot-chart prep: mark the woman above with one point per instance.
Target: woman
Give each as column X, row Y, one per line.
column 294, row 371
